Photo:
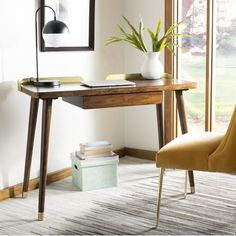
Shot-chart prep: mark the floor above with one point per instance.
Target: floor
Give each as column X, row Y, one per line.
column 130, row 208
column 19, row 216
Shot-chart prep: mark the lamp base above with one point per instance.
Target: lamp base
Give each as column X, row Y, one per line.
column 46, row 83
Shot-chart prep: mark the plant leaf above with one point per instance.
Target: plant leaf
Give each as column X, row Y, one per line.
column 175, row 45
column 141, row 25
column 170, row 49
column 163, row 44
column 172, row 27
column 113, row 40
column 158, row 28
column 179, row 35
column 141, row 29
column 151, row 34
column 134, row 36
column 130, row 25
column 153, row 38
column 135, row 32
column 127, row 35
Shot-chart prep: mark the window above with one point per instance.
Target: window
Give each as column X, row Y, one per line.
column 225, row 63
column 192, row 63
column 209, row 58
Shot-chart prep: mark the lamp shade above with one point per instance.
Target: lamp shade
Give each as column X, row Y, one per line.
column 55, row 33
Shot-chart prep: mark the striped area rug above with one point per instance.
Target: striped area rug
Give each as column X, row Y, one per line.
column 132, row 210
column 129, row 209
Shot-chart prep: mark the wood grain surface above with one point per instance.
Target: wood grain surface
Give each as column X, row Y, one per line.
column 77, row 89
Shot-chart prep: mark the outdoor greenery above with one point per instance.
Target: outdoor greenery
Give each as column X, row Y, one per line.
column 134, row 36
column 225, row 95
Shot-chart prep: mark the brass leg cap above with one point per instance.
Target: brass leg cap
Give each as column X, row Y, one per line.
column 192, row 189
column 185, row 195
column 24, row 194
column 41, row 216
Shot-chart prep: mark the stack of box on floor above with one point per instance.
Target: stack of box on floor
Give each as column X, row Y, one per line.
column 94, row 166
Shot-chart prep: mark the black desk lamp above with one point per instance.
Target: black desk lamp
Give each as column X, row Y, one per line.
column 51, row 34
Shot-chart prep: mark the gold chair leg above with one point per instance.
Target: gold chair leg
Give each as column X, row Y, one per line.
column 159, row 196
column 192, row 190
column 186, row 184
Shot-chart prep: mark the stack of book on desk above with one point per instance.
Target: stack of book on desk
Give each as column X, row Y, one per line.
column 96, row 149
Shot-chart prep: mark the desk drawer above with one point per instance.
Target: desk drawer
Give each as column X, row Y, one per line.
column 115, row 100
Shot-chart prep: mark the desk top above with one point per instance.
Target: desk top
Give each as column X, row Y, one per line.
column 76, row 89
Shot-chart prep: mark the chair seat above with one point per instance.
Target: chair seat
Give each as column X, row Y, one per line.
column 189, row 151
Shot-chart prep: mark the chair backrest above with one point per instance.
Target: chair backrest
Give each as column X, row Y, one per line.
column 224, row 157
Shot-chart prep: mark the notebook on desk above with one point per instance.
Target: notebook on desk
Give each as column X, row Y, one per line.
column 107, row 83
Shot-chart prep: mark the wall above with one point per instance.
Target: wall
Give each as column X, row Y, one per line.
column 134, row 127
column 140, row 122
column 17, row 60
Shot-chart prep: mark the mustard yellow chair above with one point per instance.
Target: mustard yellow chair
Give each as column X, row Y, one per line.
column 206, row 151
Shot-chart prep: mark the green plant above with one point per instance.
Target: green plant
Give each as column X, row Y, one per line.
column 135, row 36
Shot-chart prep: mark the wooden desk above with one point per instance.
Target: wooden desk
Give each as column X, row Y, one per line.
column 145, row 92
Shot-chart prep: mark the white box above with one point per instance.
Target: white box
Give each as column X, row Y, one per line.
column 94, row 173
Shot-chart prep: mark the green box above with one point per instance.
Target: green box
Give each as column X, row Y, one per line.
column 94, row 173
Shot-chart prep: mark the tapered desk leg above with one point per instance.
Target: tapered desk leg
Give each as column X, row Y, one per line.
column 184, row 128
column 46, row 120
column 30, row 143
column 159, row 111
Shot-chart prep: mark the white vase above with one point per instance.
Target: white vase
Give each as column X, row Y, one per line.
column 152, row 67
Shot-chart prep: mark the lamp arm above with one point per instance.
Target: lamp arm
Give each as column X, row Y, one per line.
column 45, row 7
column 36, row 36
